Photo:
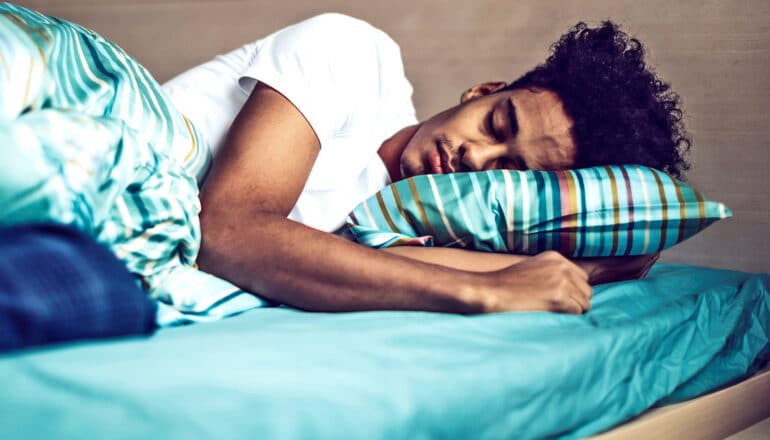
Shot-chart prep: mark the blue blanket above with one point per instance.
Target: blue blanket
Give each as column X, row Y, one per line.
column 282, row 373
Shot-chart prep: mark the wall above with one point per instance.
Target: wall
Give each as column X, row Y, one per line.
column 716, row 54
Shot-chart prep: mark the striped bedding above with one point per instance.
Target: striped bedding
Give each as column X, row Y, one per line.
column 591, row 212
column 88, row 139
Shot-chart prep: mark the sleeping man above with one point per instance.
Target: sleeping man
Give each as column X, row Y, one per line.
column 303, row 125
column 322, row 117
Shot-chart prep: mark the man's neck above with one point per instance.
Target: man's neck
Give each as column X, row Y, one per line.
column 390, row 151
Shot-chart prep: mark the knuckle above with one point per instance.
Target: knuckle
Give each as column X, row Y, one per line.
column 551, row 255
column 558, row 296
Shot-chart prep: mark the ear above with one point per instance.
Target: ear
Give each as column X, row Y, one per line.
column 482, row 89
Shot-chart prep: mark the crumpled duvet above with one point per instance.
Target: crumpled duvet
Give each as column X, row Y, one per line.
column 88, row 139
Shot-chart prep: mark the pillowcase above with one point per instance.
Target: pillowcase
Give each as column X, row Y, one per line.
column 591, row 212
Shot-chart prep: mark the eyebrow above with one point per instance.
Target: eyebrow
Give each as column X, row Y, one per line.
column 513, row 122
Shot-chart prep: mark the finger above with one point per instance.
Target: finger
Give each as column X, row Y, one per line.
column 582, row 286
column 575, row 292
column 568, row 304
column 587, row 291
column 579, row 271
column 576, row 305
column 583, row 296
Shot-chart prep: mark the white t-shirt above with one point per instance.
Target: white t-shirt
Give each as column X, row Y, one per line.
column 347, row 79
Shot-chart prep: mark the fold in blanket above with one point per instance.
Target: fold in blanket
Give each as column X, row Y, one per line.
column 88, row 139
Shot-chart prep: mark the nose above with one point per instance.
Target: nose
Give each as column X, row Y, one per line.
column 480, row 157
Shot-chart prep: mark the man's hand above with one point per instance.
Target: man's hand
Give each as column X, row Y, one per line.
column 547, row 281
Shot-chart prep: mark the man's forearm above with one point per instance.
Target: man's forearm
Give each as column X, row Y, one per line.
column 599, row 269
column 461, row 259
column 309, row 269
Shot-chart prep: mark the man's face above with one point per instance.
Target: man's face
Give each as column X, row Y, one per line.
column 510, row 129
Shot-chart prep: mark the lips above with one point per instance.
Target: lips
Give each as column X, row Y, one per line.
column 444, row 160
column 435, row 161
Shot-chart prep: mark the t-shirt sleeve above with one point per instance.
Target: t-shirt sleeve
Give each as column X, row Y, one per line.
column 335, row 70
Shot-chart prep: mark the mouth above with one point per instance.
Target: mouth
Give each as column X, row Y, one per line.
column 434, row 161
column 439, row 160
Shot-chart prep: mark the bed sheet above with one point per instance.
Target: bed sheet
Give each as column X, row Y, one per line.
column 283, row 373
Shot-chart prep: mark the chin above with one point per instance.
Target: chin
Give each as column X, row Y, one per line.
column 410, row 166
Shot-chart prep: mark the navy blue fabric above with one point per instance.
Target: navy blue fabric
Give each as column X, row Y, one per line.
column 57, row 284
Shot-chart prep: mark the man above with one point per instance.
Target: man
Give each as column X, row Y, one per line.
column 322, row 117
column 304, row 124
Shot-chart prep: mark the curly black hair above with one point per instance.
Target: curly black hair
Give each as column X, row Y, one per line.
column 622, row 112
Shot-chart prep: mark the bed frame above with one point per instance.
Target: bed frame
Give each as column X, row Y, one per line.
column 716, row 415
column 435, row 37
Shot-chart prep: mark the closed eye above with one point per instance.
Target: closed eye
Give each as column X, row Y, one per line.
column 490, row 127
column 513, row 120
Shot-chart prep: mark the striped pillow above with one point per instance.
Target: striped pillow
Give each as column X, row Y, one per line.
column 591, row 212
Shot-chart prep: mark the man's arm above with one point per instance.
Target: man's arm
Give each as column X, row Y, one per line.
column 247, row 239
column 600, row 270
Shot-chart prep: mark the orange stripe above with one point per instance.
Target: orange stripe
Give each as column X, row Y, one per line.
column 682, row 211
column 565, row 211
column 421, row 208
column 29, row 80
column 27, row 29
column 385, row 213
column 194, row 142
column 5, row 66
column 615, row 210
column 572, row 221
column 400, row 205
column 664, row 211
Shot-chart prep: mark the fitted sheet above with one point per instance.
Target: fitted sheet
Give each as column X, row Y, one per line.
column 283, row 373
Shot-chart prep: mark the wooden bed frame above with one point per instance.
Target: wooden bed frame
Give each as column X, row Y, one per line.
column 202, row 29
column 716, row 415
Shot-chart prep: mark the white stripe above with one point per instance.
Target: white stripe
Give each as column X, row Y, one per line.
column 722, row 212
column 125, row 215
column 440, row 207
column 524, row 212
column 87, row 69
column 151, row 123
column 142, row 245
column 461, row 205
column 369, row 214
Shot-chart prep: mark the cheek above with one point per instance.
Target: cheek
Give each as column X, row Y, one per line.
column 411, row 162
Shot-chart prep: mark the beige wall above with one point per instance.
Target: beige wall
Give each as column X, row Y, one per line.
column 715, row 53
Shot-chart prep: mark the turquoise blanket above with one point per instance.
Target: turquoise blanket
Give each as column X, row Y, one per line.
column 282, row 373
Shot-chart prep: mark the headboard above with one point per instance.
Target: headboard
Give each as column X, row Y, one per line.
column 714, row 53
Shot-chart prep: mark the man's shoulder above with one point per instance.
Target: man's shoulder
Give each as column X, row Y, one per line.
column 339, row 31
column 336, row 20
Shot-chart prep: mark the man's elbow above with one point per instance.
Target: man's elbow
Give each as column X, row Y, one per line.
column 213, row 242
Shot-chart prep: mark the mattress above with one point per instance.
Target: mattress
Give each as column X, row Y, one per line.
column 284, row 373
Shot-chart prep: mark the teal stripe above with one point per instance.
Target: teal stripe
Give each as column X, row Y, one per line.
column 486, row 226
column 466, row 227
column 496, row 218
column 582, row 216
